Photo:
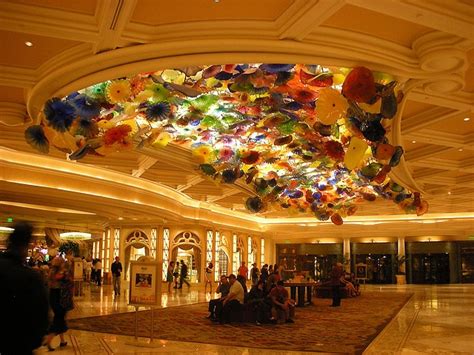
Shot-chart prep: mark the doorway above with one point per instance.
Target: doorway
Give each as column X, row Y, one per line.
column 191, row 255
column 379, row 267
column 132, row 253
column 430, row 268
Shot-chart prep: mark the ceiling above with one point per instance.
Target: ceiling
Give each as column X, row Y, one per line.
column 428, row 45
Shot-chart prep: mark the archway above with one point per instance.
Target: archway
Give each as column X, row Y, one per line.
column 136, row 246
column 238, row 255
column 223, row 262
column 186, row 247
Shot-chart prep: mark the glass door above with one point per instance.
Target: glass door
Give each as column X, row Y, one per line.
column 379, row 267
column 430, row 268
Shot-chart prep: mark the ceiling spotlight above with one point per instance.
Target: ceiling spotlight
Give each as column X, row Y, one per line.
column 460, row 149
column 449, row 192
column 413, row 142
column 120, row 218
column 29, row 44
column 467, row 119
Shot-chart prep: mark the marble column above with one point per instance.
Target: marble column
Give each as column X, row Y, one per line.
column 401, row 252
column 346, row 251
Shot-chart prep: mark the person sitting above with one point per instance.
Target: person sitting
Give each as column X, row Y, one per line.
column 233, row 301
column 259, row 303
column 272, row 281
column 281, row 302
column 243, row 282
column 349, row 286
column 215, row 305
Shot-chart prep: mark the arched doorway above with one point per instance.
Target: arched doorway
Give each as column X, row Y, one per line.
column 137, row 244
column 238, row 254
column 187, row 247
column 223, row 262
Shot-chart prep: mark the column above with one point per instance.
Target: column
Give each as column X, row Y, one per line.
column 346, row 251
column 401, row 252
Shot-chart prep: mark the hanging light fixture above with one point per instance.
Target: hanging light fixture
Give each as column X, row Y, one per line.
column 75, row 235
column 5, row 229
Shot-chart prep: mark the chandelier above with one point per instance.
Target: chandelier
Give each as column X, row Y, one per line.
column 306, row 138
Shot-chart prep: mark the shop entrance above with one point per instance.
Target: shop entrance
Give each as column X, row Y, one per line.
column 379, row 267
column 430, row 268
column 317, row 267
column 133, row 253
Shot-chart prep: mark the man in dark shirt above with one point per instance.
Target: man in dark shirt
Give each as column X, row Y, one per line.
column 184, row 275
column 336, row 274
column 116, row 273
column 216, row 304
column 23, row 297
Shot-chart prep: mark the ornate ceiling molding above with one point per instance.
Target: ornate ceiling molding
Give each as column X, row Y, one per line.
column 13, row 114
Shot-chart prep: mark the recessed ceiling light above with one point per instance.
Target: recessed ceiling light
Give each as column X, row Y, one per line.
column 467, row 119
column 413, row 142
column 449, row 192
column 460, row 149
column 120, row 218
column 29, row 44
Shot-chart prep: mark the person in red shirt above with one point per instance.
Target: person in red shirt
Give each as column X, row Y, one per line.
column 243, row 270
column 281, row 301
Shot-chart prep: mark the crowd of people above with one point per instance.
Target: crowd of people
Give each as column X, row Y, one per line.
column 29, row 293
column 268, row 300
column 177, row 274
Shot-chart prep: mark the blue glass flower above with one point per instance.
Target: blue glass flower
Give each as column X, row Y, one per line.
column 86, row 107
column 158, row 111
column 35, row 137
column 59, row 114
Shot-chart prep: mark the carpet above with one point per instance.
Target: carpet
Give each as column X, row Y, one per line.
column 317, row 328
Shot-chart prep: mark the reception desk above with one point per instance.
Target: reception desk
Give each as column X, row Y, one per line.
column 304, row 291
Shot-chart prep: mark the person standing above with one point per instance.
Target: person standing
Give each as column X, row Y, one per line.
column 254, row 272
column 176, row 274
column 209, row 270
column 116, row 274
column 98, row 272
column 60, row 298
column 88, row 269
column 243, row 270
column 336, row 274
column 183, row 275
column 23, row 297
column 169, row 275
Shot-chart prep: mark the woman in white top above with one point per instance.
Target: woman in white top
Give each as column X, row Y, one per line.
column 209, row 269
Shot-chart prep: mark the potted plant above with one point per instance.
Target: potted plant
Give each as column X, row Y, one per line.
column 399, row 261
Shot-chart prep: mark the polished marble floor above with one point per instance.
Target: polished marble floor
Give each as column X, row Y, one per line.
column 437, row 320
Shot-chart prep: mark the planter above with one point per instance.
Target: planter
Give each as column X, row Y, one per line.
column 401, row 279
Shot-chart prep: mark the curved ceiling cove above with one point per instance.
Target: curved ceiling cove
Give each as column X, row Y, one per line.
column 307, row 139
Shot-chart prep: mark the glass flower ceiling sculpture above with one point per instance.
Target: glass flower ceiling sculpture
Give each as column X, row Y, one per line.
column 306, row 138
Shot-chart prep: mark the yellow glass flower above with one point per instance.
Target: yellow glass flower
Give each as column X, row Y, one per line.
column 331, row 106
column 118, row 91
column 162, row 140
column 204, row 153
